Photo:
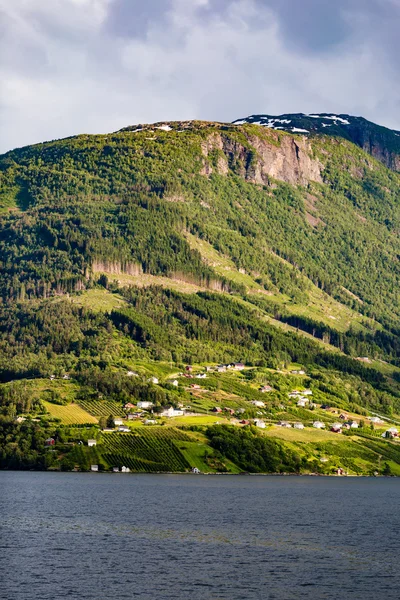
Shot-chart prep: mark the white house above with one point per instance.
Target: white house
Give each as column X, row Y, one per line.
column 153, row 380
column 124, row 429
column 377, row 420
column 319, row 425
column 307, row 393
column 175, row 383
column 238, row 366
column 294, row 394
column 94, row 468
column 392, row 432
column 302, row 403
column 150, row 422
column 266, row 388
column 258, row 403
column 125, row 469
column 115, row 469
column 259, row 423
column 298, row 426
column 131, row 374
column 171, row 412
column 201, row 376
column 91, row 443
column 354, row 425
column 118, row 421
column 284, row 424
column 144, row 404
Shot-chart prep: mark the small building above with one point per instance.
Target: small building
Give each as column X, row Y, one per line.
column 132, row 374
column 150, row 422
column 209, row 369
column 325, row 407
column 354, row 425
column 294, row 394
column 307, row 393
column 238, row 366
column 217, row 409
column 302, row 403
column 342, row 417
column 171, row 412
column 284, row 424
column 195, row 470
column 188, row 368
column 258, row 403
column 244, row 422
column 118, row 421
column 115, row 469
column 319, row 425
column 145, row 404
column 195, row 386
column 129, row 406
column 229, row 410
column 124, row 429
column 376, row 420
column 91, row 443
column 298, row 426
column 175, row 383
column 266, row 388
column 221, row 369
column 94, row 468
column 392, row 432
column 125, row 470
column 66, row 376
column 49, row 442
column 201, row 376
column 153, row 380
column 259, row 423
column 336, row 428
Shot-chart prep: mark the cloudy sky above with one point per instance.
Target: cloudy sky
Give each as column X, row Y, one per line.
column 74, row 66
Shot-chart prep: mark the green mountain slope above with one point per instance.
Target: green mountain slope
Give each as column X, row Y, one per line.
column 198, row 243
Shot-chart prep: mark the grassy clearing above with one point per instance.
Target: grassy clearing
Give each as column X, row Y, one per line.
column 98, row 300
column 71, row 414
column 197, row 420
column 222, row 265
column 146, row 280
column 304, row 435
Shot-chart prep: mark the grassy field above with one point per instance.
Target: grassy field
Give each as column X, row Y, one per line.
column 71, row 414
column 98, row 300
column 309, row 434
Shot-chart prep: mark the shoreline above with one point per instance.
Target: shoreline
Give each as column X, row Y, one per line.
column 182, row 473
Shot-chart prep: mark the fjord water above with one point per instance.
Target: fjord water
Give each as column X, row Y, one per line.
column 101, row 536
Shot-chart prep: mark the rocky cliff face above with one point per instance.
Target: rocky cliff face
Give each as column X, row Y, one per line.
column 382, row 143
column 280, row 157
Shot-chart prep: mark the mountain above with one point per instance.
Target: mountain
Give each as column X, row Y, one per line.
column 382, row 143
column 130, row 256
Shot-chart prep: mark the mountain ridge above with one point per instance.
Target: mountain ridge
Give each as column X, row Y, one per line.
column 381, row 142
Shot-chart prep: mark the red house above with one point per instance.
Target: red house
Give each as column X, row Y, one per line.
column 49, row 442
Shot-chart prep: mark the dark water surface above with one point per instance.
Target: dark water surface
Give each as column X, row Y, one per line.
column 95, row 537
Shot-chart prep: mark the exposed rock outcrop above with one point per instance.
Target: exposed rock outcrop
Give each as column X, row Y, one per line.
column 281, row 157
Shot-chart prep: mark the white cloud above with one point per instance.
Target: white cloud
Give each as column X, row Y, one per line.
column 64, row 71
